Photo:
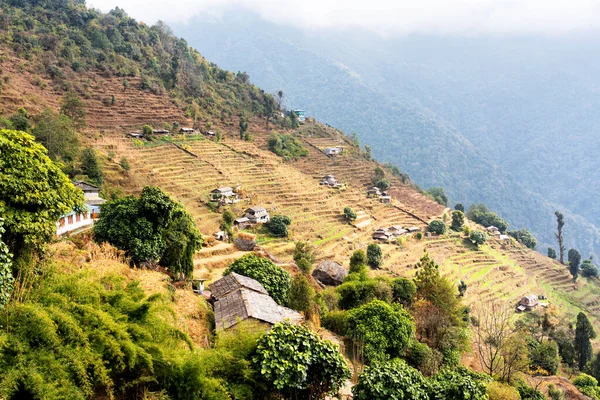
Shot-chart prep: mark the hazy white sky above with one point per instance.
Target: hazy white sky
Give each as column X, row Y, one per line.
column 387, row 17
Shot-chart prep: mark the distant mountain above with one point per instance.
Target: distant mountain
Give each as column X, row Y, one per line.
column 508, row 121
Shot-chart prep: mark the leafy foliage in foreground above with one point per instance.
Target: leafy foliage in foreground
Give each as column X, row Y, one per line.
column 6, row 278
column 275, row 280
column 299, row 364
column 79, row 334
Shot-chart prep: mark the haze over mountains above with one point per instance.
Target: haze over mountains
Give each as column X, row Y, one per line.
column 505, row 120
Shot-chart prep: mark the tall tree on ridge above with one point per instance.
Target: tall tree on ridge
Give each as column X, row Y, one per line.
column 574, row 260
column 559, row 236
column 583, row 333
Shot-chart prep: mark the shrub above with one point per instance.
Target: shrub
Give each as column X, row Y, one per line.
column 275, row 280
column 286, row 146
column 501, row 391
column 336, row 322
column 459, row 207
column 278, row 225
column 544, row 355
column 301, row 294
column 304, row 250
column 147, row 130
column 525, row 237
column 391, row 380
column 124, row 164
column 459, row 383
column 349, row 214
column 90, row 166
column 374, row 256
column 304, row 265
column 358, row 261
column 588, row 269
column 355, row 293
column 437, row 194
column 385, row 330
column 383, row 184
column 299, row 364
column 437, row 227
column 478, row 237
column 555, row 393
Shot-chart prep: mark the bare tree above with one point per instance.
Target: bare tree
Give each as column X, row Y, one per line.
column 491, row 335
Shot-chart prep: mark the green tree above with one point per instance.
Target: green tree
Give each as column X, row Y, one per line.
column 274, row 279
column 151, row 228
column 356, row 292
column 299, row 364
column 374, row 255
column 588, row 269
column 304, row 250
column 34, row 193
column 228, row 217
column 90, row 166
column 525, row 237
column 385, row 330
column 458, row 220
column 286, row 146
column 478, row 237
column 584, row 332
column 438, row 194
column 482, row 215
column 438, row 226
column 73, row 107
column 294, row 120
column 269, row 107
column 378, row 175
column 383, row 184
column 349, row 214
column 358, row 261
column 20, row 121
column 6, row 277
column 278, row 225
column 545, row 356
column 301, row 294
column 391, row 380
column 404, row 291
column 574, row 260
column 551, row 253
column 243, row 124
column 57, row 134
column 459, row 207
column 560, row 221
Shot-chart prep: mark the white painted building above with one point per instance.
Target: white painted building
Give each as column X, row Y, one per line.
column 73, row 221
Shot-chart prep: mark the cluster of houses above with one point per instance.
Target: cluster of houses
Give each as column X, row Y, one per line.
column 393, row 232
column 73, row 220
column 375, row 192
column 161, row 132
column 330, row 181
column 492, row 230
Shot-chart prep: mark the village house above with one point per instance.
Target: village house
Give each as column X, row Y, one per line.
column 237, row 298
column 333, row 151
column 330, row 181
column 413, row 229
column 187, row 131
column 373, row 191
column 242, row 223
column 136, row 134
column 527, row 303
column 397, row 230
column 301, row 114
column 221, row 235
column 73, row 220
column 382, row 234
column 224, row 195
column 385, row 199
column 161, row 132
column 257, row 215
column 210, row 133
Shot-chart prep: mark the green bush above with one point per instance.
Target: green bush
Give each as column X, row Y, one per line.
column 299, row 364
column 336, row 322
column 525, row 237
column 438, row 227
column 403, row 290
column 301, row 294
column 349, row 214
column 124, row 164
column 458, row 220
column 478, row 237
column 588, row 269
column 275, row 280
column 459, row 383
column 6, row 277
column 391, row 380
column 358, row 261
column 356, row 293
column 278, row 225
column 502, row 391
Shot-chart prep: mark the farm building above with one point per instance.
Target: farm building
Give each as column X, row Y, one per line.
column 385, row 199
column 301, row 114
column 527, row 303
column 329, row 180
column 187, row 131
column 242, row 223
column 135, row 134
column 257, row 215
column 73, row 221
column 225, row 195
column 237, row 298
column 333, row 151
column 382, row 234
column 373, row 192
column 161, row 132
column 397, row 230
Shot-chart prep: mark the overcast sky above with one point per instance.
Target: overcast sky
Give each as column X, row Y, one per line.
column 387, row 17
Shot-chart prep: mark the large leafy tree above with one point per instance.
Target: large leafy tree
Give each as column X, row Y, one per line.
column 57, row 134
column 384, row 329
column 525, row 237
column 34, row 193
column 152, row 227
column 584, row 331
column 458, row 220
column 574, row 260
column 392, row 380
column 299, row 364
column 274, row 279
column 374, row 255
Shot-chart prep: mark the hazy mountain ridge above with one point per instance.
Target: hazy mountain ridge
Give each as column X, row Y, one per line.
column 468, row 128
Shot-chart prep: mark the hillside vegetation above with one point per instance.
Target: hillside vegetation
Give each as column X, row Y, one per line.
column 86, row 320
